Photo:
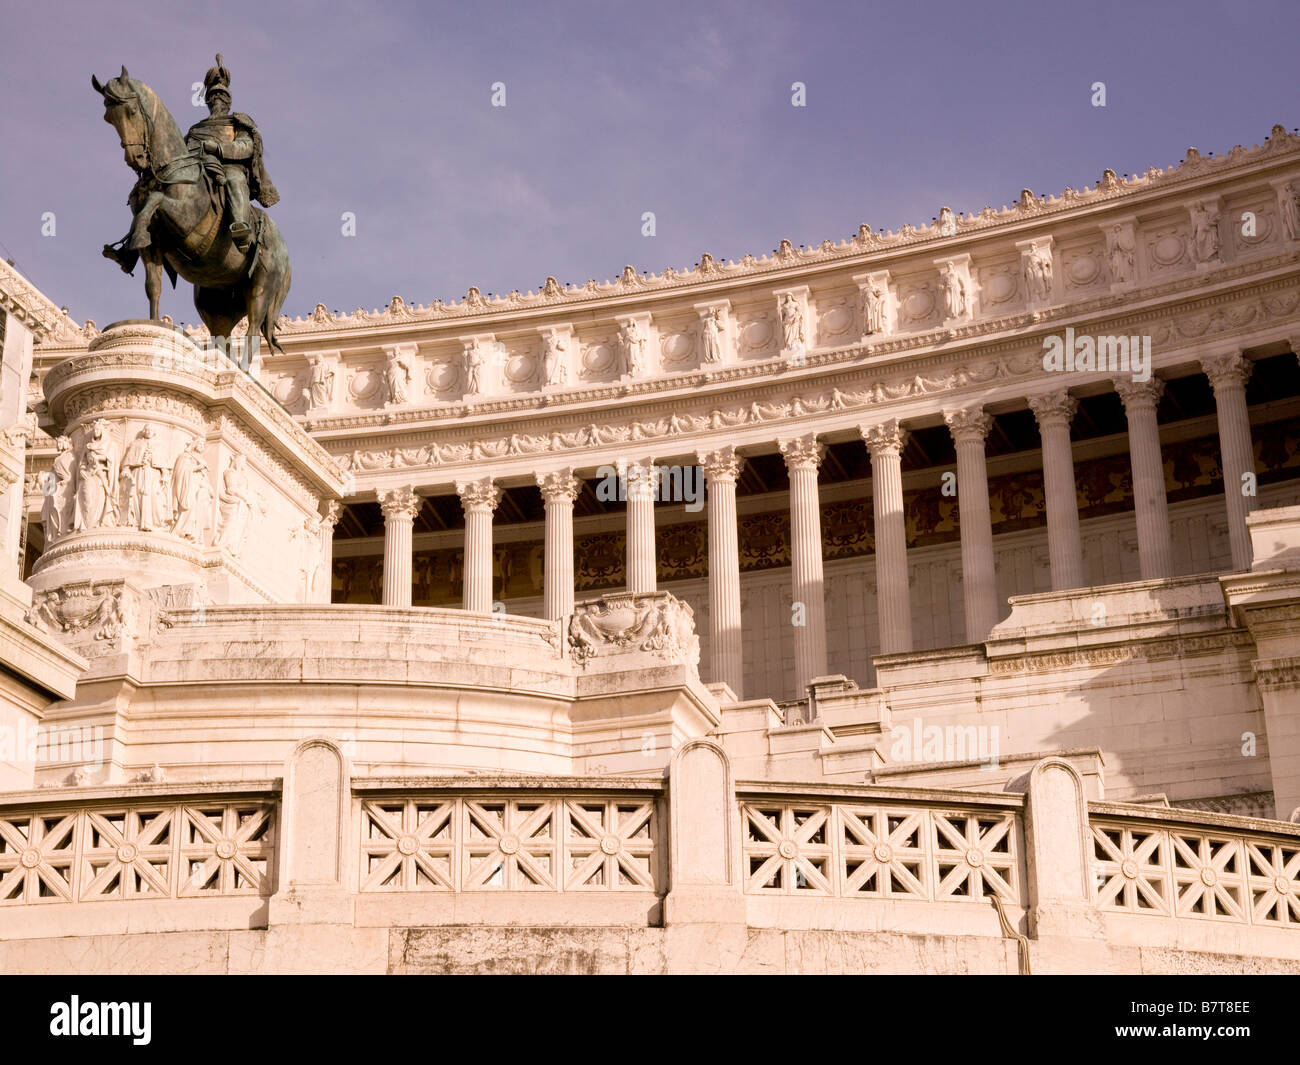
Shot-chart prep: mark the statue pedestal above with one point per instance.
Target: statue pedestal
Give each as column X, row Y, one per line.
column 180, row 481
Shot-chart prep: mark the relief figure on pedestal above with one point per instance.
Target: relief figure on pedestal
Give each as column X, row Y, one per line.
column 1205, row 233
column 873, row 310
column 144, row 474
column 553, row 366
column 320, row 383
column 1289, row 207
column 792, row 331
column 191, row 492
column 56, row 507
column 954, row 292
column 633, row 338
column 96, row 476
column 397, row 376
column 1119, row 250
column 713, row 335
column 235, row 501
column 474, row 360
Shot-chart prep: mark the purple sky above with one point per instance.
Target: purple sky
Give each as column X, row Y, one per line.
column 682, row 109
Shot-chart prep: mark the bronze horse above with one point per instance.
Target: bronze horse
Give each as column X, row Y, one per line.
column 178, row 223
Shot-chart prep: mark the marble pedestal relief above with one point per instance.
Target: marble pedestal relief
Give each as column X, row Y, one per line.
column 177, row 482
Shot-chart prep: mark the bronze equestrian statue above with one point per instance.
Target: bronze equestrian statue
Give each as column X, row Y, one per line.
column 192, row 210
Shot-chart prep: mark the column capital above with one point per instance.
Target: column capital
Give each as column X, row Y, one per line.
column 333, row 511
column 884, row 438
column 968, row 424
column 1050, row 407
column 640, row 479
column 721, row 465
column 400, row 504
column 1232, row 368
column 481, row 495
column 1139, row 395
column 802, row 452
column 559, row 486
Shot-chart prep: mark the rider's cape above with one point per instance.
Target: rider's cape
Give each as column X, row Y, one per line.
column 259, row 181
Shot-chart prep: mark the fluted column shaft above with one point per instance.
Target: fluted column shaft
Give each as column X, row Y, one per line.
column 641, row 481
column 478, row 499
column 559, row 490
column 1155, row 547
column 400, row 506
column 802, row 457
column 893, row 587
column 1054, row 411
column 721, row 468
column 1228, row 375
column 970, row 427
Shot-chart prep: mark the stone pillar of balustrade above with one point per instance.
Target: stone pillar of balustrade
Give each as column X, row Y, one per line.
column 1151, row 507
column 559, row 490
column 721, row 468
column 479, row 499
column 313, row 834
column 641, row 481
column 1228, row 375
column 1054, row 412
column 885, row 443
column 803, row 455
column 400, row 507
column 704, row 909
column 1063, row 919
column 970, row 428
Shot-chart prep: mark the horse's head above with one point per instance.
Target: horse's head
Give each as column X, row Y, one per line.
column 129, row 107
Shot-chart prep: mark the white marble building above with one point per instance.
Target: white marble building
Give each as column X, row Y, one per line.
column 943, row 580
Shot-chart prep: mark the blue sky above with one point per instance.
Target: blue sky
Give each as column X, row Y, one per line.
column 613, row 109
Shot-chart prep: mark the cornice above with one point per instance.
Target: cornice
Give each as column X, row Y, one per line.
column 1012, row 334
column 20, row 298
column 806, row 401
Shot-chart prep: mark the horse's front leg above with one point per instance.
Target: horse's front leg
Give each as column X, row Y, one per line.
column 153, row 279
column 139, row 238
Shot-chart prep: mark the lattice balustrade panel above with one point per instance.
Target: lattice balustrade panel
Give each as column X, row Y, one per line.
column 148, row 852
column 495, row 843
column 1174, row 872
column 850, row 850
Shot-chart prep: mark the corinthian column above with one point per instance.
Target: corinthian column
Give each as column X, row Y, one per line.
column 1054, row 411
column 1155, row 549
column 885, row 442
column 721, row 468
column 970, row 428
column 400, row 506
column 641, row 481
column 1228, row 375
column 479, row 499
column 802, row 457
column 559, row 489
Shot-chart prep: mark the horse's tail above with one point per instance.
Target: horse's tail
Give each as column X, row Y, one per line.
column 273, row 311
column 272, row 246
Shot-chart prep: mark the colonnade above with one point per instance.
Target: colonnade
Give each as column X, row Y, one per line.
column 886, row 441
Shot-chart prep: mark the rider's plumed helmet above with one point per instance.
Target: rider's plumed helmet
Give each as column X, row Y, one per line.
column 217, row 80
